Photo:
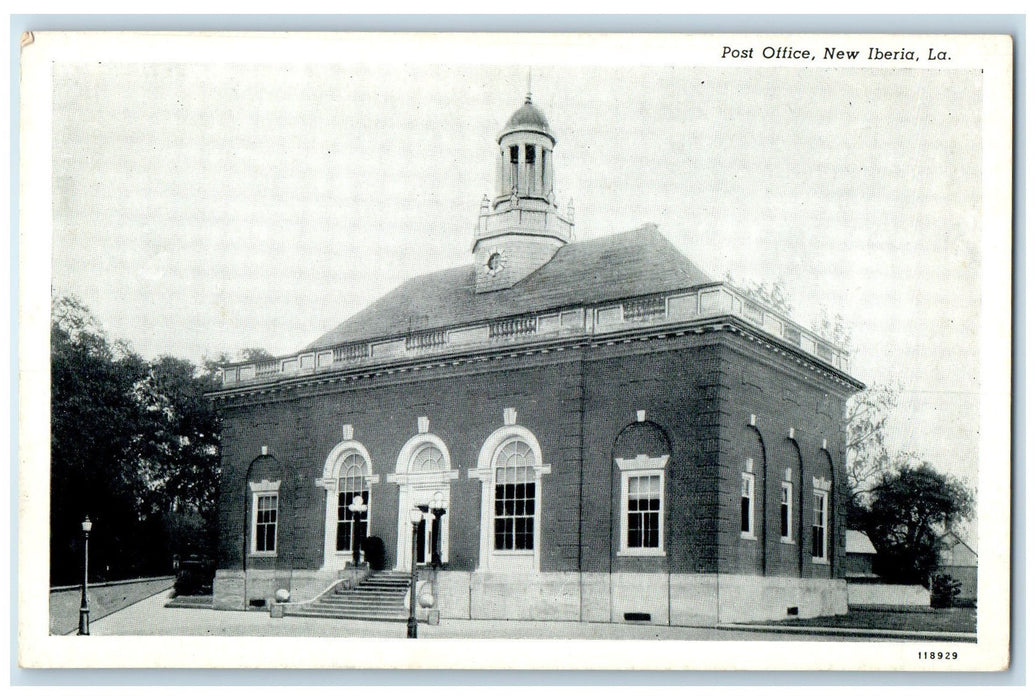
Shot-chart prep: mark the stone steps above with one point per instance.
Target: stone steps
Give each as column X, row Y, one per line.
column 378, row 597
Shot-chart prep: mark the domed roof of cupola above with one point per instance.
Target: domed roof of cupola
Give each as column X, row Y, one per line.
column 528, row 117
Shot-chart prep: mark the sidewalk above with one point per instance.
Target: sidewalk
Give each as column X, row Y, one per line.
column 150, row 617
column 883, row 635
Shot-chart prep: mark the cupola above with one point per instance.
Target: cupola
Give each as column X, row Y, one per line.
column 520, row 228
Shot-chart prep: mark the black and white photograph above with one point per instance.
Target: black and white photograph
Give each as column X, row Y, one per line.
column 515, row 351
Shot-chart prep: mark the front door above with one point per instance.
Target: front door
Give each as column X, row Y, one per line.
column 423, row 546
column 429, row 529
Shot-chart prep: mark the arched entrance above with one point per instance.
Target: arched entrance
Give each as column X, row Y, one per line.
column 424, row 473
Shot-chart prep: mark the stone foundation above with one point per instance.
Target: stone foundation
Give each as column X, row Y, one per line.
column 693, row 600
column 888, row 595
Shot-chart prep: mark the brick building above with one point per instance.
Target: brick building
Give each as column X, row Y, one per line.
column 613, row 435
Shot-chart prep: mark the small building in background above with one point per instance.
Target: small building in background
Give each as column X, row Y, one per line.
column 960, row 561
column 859, row 557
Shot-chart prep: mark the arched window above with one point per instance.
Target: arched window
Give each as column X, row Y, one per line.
column 428, row 458
column 511, row 469
column 352, row 482
column 514, row 500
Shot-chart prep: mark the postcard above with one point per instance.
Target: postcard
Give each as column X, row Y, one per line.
column 515, row 351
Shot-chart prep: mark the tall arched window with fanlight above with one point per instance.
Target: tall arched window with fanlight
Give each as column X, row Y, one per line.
column 511, row 469
column 514, row 500
column 348, row 473
column 352, row 482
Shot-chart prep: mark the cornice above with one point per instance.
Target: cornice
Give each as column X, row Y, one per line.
column 538, row 349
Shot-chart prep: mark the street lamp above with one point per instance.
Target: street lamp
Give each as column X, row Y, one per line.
column 438, row 509
column 357, row 508
column 84, row 605
column 416, row 516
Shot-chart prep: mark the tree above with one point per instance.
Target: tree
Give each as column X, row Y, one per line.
column 912, row 508
column 867, row 455
column 94, row 417
column 255, row 355
column 178, row 455
column 772, row 295
column 134, row 445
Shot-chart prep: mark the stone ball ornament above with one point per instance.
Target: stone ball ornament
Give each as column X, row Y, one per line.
column 282, row 595
column 425, row 598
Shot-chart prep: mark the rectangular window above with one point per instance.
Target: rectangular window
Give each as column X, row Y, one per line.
column 264, row 539
column 644, row 510
column 820, row 526
column 747, row 505
column 643, row 496
column 514, row 508
column 786, row 493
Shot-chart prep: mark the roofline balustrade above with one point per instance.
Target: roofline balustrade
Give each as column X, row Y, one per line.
column 707, row 301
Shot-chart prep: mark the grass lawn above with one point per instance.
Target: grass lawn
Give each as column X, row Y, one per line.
column 942, row 620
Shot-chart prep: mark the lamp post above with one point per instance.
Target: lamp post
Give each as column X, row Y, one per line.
column 84, row 605
column 357, row 508
column 411, row 624
column 438, row 509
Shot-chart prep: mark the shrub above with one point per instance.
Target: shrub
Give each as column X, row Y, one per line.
column 374, row 552
column 945, row 590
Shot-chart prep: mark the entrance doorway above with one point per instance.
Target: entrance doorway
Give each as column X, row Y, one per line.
column 424, row 473
column 432, row 531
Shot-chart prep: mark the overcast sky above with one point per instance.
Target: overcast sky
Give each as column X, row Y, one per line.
column 207, row 208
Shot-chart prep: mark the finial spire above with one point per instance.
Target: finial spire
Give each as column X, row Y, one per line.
column 528, row 92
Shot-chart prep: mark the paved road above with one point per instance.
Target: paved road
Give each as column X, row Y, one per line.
column 150, row 617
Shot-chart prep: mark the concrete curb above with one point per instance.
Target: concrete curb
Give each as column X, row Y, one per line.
column 905, row 635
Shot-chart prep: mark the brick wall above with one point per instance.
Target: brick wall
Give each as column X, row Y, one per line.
column 699, row 389
column 675, row 388
column 463, row 408
column 782, row 396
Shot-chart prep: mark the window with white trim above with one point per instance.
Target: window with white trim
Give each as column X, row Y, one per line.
column 352, row 482
column 786, row 511
column 642, row 498
column 747, row 505
column 514, row 499
column 264, row 523
column 819, row 549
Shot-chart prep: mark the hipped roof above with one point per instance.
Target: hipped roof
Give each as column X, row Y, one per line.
column 634, row 263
